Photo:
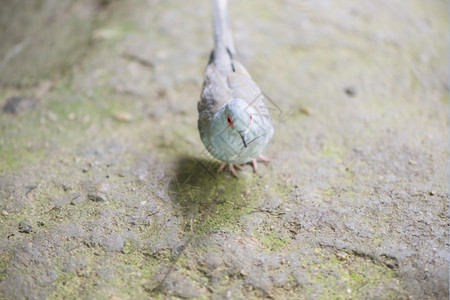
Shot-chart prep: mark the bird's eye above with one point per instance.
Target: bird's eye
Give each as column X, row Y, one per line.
column 230, row 121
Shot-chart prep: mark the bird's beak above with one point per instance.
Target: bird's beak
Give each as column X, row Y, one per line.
column 242, row 134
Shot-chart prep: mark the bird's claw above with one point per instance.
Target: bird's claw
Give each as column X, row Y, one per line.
column 231, row 167
column 260, row 158
column 254, row 163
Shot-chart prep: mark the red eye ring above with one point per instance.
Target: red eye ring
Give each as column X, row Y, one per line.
column 230, row 121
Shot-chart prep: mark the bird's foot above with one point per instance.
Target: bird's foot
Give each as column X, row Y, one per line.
column 259, row 158
column 231, row 167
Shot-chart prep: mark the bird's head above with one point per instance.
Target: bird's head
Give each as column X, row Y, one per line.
column 238, row 118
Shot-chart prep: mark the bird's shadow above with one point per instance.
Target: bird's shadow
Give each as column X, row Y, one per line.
column 204, row 196
column 206, row 200
column 194, row 184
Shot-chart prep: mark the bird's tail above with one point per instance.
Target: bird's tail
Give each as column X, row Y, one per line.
column 223, row 39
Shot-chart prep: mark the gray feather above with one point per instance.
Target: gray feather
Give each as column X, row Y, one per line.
column 226, row 79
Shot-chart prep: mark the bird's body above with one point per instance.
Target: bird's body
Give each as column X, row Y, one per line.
column 234, row 123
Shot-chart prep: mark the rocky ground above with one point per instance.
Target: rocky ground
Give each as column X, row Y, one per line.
column 106, row 190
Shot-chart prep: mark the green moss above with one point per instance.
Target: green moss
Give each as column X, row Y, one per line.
column 67, row 119
column 209, row 200
column 20, row 141
column 130, row 274
column 272, row 240
column 328, row 192
column 69, row 282
column 279, row 187
column 5, row 258
column 112, row 33
column 350, row 278
column 229, row 202
column 333, row 150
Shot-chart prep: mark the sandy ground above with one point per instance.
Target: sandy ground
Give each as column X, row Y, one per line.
column 106, row 190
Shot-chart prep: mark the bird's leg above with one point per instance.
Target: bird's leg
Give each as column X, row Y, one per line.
column 233, row 171
column 263, row 158
column 231, row 167
column 255, row 161
column 222, row 166
column 254, row 165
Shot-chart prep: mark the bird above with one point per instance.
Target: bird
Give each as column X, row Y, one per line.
column 234, row 123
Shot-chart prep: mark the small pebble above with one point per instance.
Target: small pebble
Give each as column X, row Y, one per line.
column 86, row 169
column 341, row 256
column 97, row 197
column 52, row 116
column 350, row 91
column 305, row 111
column 24, row 227
column 123, row 117
column 102, row 187
column 76, row 199
column 15, row 105
column 105, row 33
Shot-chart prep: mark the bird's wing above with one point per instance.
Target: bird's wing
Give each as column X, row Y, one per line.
column 242, row 86
column 215, row 93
